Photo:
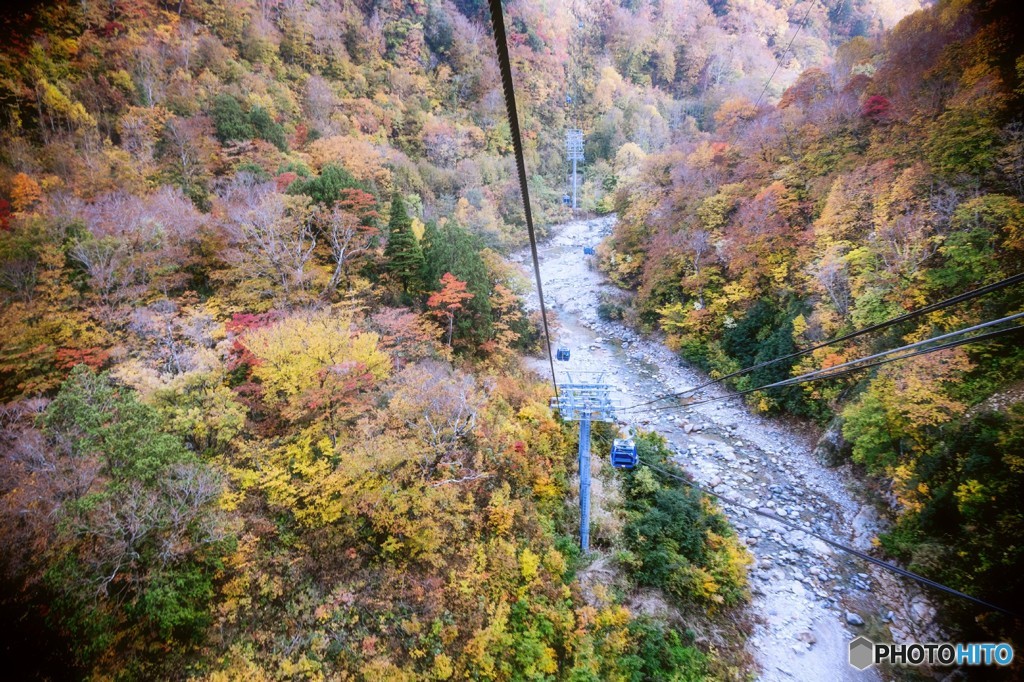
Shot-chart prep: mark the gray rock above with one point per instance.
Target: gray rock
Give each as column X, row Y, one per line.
column 832, row 449
column 853, row 619
column 807, row 637
column 922, row 611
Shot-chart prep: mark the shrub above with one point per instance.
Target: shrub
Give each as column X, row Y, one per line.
column 676, row 540
column 266, row 128
column 229, row 120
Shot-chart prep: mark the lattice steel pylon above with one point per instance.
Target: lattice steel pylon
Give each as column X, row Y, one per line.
column 584, row 402
column 574, row 151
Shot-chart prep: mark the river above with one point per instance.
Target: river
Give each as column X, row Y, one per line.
column 809, row 600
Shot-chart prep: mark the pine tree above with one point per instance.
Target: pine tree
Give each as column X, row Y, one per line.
column 432, row 268
column 404, row 257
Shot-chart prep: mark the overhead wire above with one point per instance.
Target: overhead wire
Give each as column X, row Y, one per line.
column 505, row 65
column 924, row 310
column 953, row 344
column 909, row 346
column 500, row 40
column 828, row 374
column 803, row 23
column 837, row 545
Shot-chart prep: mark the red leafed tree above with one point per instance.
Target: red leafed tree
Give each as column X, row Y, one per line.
column 876, row 108
column 5, row 215
column 283, row 180
column 405, row 335
column 238, row 325
column 66, row 358
column 447, row 302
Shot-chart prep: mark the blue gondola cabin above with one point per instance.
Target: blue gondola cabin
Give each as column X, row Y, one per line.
column 588, row 251
column 624, row 454
column 562, row 354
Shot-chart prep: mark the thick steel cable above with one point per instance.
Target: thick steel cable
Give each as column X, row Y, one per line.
column 838, row 545
column 909, row 346
column 930, row 308
column 835, row 375
column 501, row 47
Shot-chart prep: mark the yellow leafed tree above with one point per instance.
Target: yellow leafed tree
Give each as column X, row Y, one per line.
column 294, row 352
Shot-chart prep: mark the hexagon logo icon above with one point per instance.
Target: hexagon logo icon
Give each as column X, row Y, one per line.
column 862, row 653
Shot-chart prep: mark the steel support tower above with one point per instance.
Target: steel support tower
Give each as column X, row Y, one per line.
column 584, row 402
column 574, row 150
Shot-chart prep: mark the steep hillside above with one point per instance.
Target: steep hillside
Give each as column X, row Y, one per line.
column 132, row 95
column 263, row 414
column 890, row 180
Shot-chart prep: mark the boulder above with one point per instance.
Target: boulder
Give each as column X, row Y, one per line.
column 832, row 449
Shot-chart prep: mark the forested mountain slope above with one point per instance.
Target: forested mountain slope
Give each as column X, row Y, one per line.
column 131, row 95
column 263, row 411
column 263, row 414
column 890, row 179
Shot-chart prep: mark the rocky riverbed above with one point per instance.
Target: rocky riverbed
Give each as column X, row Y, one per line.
column 809, row 600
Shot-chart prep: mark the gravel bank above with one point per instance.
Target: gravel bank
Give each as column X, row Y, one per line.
column 810, row 600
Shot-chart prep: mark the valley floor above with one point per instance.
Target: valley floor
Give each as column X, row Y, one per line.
column 807, row 597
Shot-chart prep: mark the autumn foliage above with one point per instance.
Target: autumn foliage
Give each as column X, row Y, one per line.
column 263, row 406
column 887, row 182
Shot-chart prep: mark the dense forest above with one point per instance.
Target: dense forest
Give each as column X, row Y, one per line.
column 262, row 405
column 891, row 178
column 263, row 408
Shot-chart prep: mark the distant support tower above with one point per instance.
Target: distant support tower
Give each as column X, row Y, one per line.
column 574, row 148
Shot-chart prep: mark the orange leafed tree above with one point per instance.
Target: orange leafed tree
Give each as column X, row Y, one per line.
column 25, row 193
column 447, row 302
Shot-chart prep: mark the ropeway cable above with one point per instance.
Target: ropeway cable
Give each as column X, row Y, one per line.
column 501, row 47
column 838, row 545
column 833, row 375
column 930, row 308
column 785, row 52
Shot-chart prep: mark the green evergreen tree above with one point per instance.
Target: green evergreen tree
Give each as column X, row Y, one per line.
column 229, row 120
column 266, row 128
column 327, row 188
column 403, row 253
column 429, row 244
column 455, row 249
